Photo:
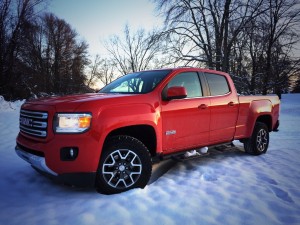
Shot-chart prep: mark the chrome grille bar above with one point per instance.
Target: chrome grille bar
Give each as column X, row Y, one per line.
column 33, row 114
column 33, row 132
column 34, row 123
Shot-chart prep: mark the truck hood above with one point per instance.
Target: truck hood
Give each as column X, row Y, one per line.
column 72, row 102
column 80, row 98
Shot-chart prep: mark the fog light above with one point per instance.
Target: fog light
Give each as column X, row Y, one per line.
column 69, row 153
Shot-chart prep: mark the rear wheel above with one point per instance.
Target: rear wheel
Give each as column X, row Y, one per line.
column 259, row 141
column 124, row 164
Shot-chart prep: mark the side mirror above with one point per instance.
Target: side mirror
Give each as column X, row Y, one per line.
column 176, row 92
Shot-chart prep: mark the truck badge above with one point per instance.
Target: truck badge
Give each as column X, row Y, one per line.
column 170, row 132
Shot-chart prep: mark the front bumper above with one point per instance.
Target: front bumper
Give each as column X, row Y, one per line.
column 38, row 162
column 83, row 179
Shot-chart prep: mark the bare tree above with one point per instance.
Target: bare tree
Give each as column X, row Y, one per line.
column 15, row 19
column 38, row 53
column 296, row 85
column 282, row 25
column 107, row 71
column 270, row 38
column 208, row 28
column 247, row 38
column 133, row 52
column 60, row 57
column 53, row 60
column 93, row 73
column 100, row 70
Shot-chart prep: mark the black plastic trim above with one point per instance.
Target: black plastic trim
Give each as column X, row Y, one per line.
column 276, row 126
column 31, row 151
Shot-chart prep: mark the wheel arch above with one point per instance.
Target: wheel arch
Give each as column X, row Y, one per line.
column 266, row 119
column 144, row 133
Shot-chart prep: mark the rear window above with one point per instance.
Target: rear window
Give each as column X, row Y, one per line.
column 217, row 84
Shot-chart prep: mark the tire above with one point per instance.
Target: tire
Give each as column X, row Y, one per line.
column 258, row 143
column 125, row 164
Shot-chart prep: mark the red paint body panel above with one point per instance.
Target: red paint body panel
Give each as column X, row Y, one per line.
column 189, row 121
column 179, row 124
column 252, row 107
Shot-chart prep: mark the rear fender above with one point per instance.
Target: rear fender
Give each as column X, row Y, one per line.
column 258, row 110
column 249, row 113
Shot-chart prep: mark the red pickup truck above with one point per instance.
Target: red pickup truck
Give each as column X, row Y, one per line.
column 110, row 139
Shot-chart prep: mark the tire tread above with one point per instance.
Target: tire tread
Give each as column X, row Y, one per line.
column 250, row 143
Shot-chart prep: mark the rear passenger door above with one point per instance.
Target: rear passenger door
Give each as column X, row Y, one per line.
column 223, row 108
column 186, row 121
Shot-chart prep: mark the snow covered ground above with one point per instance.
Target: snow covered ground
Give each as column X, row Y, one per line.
column 226, row 187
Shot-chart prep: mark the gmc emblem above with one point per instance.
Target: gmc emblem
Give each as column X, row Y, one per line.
column 26, row 121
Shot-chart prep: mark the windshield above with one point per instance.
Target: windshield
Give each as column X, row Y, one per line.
column 136, row 83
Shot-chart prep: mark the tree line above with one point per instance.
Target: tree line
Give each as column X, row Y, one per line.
column 40, row 53
column 252, row 40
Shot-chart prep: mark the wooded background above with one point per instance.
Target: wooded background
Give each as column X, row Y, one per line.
column 255, row 41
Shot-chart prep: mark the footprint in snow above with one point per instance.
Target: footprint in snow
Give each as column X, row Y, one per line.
column 209, row 177
column 267, row 179
column 281, row 194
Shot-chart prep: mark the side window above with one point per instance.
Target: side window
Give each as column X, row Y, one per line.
column 190, row 81
column 217, row 84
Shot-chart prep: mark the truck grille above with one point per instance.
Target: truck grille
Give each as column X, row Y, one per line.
column 34, row 123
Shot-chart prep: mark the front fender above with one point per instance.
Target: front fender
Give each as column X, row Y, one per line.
column 119, row 116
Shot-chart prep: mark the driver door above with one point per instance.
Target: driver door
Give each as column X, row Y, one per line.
column 186, row 121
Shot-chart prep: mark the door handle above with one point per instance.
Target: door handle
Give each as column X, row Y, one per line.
column 231, row 104
column 202, row 106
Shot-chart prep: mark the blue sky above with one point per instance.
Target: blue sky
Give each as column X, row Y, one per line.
column 96, row 20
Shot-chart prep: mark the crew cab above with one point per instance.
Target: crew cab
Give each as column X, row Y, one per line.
column 110, row 139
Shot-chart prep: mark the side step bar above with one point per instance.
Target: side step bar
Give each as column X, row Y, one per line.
column 182, row 156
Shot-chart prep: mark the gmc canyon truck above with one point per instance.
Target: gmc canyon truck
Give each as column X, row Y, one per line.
column 110, row 139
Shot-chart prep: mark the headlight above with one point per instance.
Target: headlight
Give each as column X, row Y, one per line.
column 72, row 122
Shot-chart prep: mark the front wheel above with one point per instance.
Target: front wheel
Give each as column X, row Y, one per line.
column 259, row 141
column 125, row 164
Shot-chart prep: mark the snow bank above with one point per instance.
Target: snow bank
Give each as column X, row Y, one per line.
column 9, row 106
column 226, row 187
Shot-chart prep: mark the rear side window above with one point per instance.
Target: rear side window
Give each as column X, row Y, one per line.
column 217, row 84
